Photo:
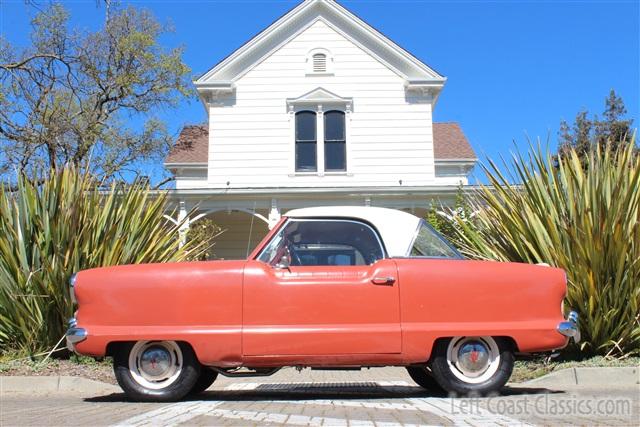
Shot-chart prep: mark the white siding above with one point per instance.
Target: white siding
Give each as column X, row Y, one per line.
column 451, row 174
column 389, row 134
column 191, row 178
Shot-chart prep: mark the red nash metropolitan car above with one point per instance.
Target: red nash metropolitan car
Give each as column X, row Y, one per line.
column 328, row 287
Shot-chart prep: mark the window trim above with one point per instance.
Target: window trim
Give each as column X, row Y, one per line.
column 319, row 108
column 385, row 255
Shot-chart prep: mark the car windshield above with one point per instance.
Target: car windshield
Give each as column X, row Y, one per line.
column 429, row 243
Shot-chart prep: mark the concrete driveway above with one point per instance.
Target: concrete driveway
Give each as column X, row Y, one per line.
column 383, row 396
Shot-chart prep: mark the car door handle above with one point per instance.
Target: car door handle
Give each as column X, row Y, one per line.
column 388, row 281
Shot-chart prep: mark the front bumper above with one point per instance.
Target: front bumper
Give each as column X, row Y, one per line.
column 569, row 328
column 75, row 335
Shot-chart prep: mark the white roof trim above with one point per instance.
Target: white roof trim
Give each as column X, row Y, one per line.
column 186, row 165
column 305, row 191
column 397, row 228
column 319, row 96
column 339, row 18
column 221, row 86
column 464, row 161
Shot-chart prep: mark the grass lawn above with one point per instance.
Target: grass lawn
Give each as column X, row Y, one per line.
column 525, row 370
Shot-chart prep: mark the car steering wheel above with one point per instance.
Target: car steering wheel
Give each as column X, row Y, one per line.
column 293, row 256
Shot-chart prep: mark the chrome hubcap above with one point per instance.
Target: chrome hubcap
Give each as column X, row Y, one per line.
column 473, row 358
column 155, row 362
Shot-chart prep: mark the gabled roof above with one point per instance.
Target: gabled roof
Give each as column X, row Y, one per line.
column 192, row 147
column 297, row 20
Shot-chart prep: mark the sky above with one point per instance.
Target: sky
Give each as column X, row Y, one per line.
column 515, row 69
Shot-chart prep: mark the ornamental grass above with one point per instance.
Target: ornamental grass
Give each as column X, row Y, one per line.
column 55, row 226
column 580, row 213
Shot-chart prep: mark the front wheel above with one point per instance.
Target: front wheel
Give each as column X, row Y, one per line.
column 472, row 365
column 156, row 371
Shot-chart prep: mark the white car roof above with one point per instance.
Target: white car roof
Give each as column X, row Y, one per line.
column 397, row 228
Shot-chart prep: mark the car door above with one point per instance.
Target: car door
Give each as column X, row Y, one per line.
column 321, row 287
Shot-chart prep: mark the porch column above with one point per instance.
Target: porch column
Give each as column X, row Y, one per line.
column 274, row 214
column 183, row 220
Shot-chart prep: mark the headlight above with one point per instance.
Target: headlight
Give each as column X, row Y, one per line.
column 72, row 287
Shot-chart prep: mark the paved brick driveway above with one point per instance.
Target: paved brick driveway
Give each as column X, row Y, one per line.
column 370, row 397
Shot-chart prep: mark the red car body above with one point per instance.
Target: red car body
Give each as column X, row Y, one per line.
column 248, row 313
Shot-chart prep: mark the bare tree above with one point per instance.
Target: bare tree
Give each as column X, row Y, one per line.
column 88, row 99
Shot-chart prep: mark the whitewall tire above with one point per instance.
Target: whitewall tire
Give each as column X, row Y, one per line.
column 472, row 365
column 157, row 371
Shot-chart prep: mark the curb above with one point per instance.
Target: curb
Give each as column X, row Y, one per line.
column 13, row 384
column 589, row 377
column 596, row 377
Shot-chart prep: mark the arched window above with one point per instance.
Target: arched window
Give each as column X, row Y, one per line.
column 335, row 143
column 306, row 142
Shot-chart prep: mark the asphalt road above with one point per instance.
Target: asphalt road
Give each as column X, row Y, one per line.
column 381, row 397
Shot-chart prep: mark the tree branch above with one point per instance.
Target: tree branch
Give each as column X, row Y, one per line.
column 163, row 182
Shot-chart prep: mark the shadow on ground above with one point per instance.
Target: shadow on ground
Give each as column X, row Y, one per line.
column 275, row 391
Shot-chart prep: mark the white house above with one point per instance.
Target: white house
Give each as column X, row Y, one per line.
column 318, row 109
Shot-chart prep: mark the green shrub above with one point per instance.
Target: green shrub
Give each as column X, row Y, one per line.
column 61, row 225
column 203, row 233
column 581, row 215
column 445, row 219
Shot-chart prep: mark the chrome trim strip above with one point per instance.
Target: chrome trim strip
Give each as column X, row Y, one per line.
column 569, row 328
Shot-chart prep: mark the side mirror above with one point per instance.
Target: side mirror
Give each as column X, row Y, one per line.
column 284, row 263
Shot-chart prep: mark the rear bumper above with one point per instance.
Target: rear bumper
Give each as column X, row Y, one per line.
column 569, row 328
column 75, row 335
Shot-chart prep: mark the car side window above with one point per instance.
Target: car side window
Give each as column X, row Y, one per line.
column 316, row 242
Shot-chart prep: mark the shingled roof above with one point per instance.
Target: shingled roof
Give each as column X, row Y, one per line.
column 193, row 144
column 450, row 143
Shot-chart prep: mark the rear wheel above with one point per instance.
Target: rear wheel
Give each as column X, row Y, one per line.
column 472, row 365
column 423, row 377
column 156, row 371
column 206, row 378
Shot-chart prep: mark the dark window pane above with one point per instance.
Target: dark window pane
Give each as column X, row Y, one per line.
column 306, row 126
column 306, row 141
column 334, row 126
column 311, row 243
column 305, row 156
column 335, row 158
